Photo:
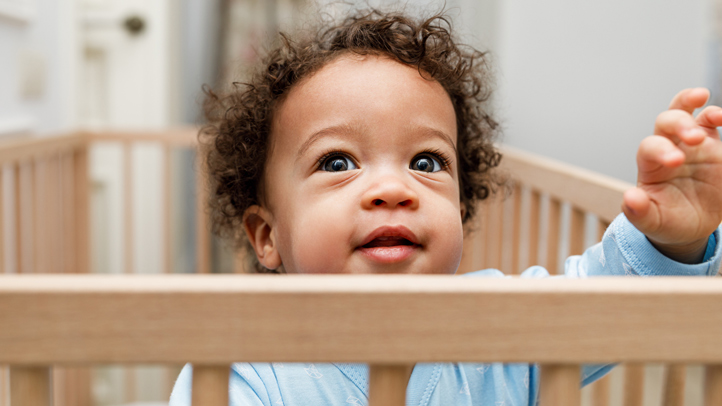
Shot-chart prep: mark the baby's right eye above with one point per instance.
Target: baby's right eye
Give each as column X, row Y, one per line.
column 337, row 163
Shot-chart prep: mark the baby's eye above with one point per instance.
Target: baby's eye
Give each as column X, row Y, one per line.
column 338, row 163
column 425, row 163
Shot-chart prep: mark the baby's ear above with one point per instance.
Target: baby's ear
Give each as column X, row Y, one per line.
column 259, row 230
column 463, row 210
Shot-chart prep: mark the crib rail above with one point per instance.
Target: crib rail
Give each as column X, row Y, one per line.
column 390, row 322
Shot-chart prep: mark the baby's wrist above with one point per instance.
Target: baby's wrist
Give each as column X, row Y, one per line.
column 689, row 253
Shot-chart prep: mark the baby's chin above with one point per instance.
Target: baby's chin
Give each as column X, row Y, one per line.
column 365, row 268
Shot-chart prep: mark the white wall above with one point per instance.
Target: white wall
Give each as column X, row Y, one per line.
column 583, row 81
column 34, row 50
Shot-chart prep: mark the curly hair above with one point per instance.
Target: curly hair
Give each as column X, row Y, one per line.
column 235, row 140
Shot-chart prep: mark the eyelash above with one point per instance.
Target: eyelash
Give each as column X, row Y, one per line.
column 443, row 158
column 334, row 152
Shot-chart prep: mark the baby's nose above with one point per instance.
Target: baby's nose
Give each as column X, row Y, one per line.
column 390, row 193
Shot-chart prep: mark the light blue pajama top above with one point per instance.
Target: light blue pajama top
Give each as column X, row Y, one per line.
column 623, row 251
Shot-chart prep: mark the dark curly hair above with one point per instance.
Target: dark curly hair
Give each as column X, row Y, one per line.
column 235, row 141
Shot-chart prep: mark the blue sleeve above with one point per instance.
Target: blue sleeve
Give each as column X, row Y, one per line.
column 624, row 250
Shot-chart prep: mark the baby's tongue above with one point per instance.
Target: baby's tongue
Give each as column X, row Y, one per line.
column 387, row 242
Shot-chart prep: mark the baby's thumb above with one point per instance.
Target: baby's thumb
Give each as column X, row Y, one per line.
column 638, row 208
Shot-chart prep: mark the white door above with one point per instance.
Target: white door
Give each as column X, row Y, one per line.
column 124, row 82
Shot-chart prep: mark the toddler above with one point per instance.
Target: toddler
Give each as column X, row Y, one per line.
column 366, row 148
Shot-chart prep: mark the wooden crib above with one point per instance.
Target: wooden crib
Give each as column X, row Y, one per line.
column 58, row 325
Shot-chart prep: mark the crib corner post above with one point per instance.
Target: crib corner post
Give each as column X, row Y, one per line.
column 30, row 386
column 560, row 385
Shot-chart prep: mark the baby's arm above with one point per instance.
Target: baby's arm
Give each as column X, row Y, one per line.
column 677, row 203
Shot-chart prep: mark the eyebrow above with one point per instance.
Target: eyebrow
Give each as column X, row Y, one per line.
column 342, row 129
column 346, row 130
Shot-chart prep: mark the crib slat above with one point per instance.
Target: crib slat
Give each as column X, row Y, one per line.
column 4, row 385
column 600, row 392
column 601, row 228
column 166, row 209
column 555, row 214
column 2, row 221
column 713, row 385
column 535, row 207
column 29, row 386
column 576, row 238
column 203, row 237
column 516, row 233
column 387, row 384
column 559, row 385
column 210, row 385
column 68, row 223
column 633, row 384
column 19, row 210
column 674, row 385
column 82, row 210
column 128, row 206
column 494, row 231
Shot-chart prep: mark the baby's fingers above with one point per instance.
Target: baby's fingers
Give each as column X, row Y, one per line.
column 640, row 211
column 657, row 151
column 678, row 125
column 690, row 99
column 710, row 118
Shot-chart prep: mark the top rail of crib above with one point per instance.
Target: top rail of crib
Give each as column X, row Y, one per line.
column 379, row 319
column 587, row 190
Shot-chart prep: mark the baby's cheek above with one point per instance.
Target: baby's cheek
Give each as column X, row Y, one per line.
column 321, row 244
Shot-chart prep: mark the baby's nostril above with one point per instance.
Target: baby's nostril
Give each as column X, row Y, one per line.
column 378, row 202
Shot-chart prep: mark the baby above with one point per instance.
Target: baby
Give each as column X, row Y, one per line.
column 366, row 149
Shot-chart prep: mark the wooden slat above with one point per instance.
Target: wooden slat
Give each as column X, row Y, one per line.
column 494, row 232
column 356, row 318
column 633, row 384
column 18, row 226
column 40, row 221
column 4, row 386
column 2, row 220
column 559, row 385
column 713, row 385
column 166, row 209
column 81, row 215
column 600, row 392
column 516, row 234
column 210, row 385
column 128, row 218
column 673, row 394
column 576, row 236
column 203, row 236
column 601, row 228
column 555, row 215
column 68, row 214
column 30, row 386
column 534, row 215
column 387, row 384
column 590, row 191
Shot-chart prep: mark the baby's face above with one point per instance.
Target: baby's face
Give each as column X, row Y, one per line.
column 362, row 174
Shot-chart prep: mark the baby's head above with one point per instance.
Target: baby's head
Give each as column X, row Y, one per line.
column 363, row 148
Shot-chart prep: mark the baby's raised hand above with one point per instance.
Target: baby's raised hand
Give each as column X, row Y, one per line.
column 677, row 203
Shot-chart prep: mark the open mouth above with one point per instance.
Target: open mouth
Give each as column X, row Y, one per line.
column 390, row 244
column 387, row 242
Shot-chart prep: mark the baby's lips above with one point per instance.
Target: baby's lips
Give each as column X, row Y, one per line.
column 395, row 231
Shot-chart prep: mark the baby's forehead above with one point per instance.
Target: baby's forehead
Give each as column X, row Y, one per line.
column 359, row 91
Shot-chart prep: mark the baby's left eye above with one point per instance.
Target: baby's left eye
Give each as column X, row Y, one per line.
column 425, row 163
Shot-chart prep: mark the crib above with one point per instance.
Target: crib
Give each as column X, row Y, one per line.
column 58, row 319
